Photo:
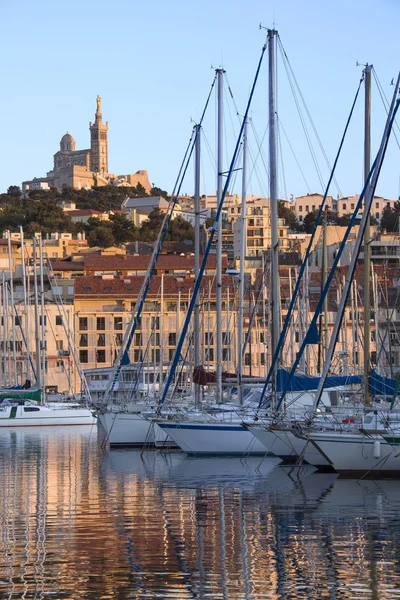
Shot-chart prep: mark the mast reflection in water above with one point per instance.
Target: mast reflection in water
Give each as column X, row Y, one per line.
column 77, row 523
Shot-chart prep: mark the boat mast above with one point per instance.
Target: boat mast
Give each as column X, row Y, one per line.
column 43, row 343
column 11, row 280
column 161, row 333
column 196, row 357
column 241, row 268
column 26, row 314
column 273, row 200
column 367, row 234
column 36, row 301
column 220, row 79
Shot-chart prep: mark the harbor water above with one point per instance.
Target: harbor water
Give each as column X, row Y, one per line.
column 83, row 523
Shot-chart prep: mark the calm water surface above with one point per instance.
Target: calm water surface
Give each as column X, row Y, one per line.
column 80, row 523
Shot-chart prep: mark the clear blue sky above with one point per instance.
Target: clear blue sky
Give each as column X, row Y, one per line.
column 150, row 63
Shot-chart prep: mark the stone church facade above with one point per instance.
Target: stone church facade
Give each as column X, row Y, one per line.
column 85, row 168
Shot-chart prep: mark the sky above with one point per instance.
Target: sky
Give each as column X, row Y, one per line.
column 152, row 64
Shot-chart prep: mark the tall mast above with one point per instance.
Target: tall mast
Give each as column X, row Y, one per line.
column 241, row 271
column 273, row 199
column 367, row 234
column 197, row 260
column 43, row 343
column 161, row 333
column 220, row 79
column 10, row 266
column 36, row 300
column 26, row 314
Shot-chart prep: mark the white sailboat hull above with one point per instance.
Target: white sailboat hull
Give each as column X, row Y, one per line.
column 31, row 416
column 131, row 429
column 287, row 446
column 355, row 454
column 213, row 438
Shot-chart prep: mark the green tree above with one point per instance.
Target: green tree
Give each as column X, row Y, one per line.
column 309, row 221
column 180, row 230
column 390, row 218
column 150, row 228
column 101, row 236
column 122, row 229
column 156, row 191
column 48, row 215
column 289, row 216
column 14, row 191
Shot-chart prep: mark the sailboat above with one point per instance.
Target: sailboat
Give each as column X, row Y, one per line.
column 372, row 448
column 22, row 406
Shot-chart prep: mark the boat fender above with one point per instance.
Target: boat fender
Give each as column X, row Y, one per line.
column 377, row 449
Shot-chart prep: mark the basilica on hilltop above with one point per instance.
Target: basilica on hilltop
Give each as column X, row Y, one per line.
column 85, row 168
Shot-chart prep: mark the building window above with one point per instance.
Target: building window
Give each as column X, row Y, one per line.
column 300, row 218
column 137, row 355
column 101, row 356
column 247, row 360
column 171, row 306
column 388, row 204
column 225, row 353
column 83, row 324
column 352, row 206
column 101, row 323
column 377, row 215
column 209, row 338
column 118, row 339
column 296, row 337
column 376, row 204
column 313, row 207
column 118, row 323
column 172, row 339
column 155, row 322
column 83, row 340
column 210, row 354
column 58, row 320
column 155, row 355
column 42, row 320
column 307, row 208
column 171, row 353
column 83, row 356
column 281, row 233
column 344, row 207
column 300, row 209
column 18, row 320
column 60, row 344
column 101, row 339
column 262, row 358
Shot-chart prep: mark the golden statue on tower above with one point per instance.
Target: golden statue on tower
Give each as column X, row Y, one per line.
column 98, row 102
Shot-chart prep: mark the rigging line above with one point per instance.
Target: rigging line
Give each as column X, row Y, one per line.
column 255, row 169
column 307, row 254
column 305, row 130
column 210, row 241
column 309, row 115
column 384, row 102
column 210, row 153
column 227, row 103
column 281, row 158
column 294, row 154
column 254, row 160
column 259, row 147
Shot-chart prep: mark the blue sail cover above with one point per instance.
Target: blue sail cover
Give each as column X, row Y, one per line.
column 301, row 383
column 381, row 386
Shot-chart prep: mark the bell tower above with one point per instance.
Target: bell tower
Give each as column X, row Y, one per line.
column 98, row 142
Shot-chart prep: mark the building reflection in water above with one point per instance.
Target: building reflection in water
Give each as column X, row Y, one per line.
column 77, row 523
